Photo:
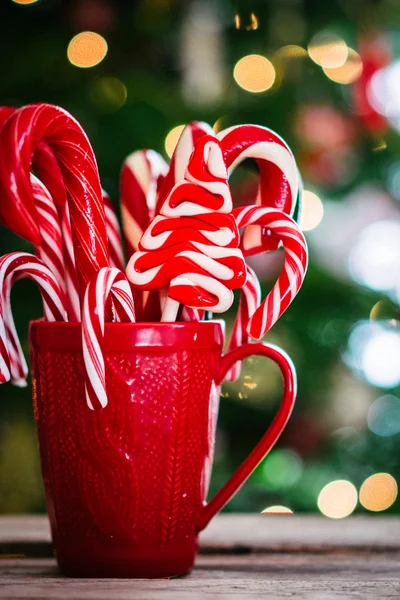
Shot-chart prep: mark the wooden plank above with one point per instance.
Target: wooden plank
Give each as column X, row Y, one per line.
column 227, row 533
column 312, row 576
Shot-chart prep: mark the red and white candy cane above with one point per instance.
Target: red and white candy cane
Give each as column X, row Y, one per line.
column 12, row 267
column 21, row 134
column 141, row 175
column 114, row 234
column 250, row 300
column 106, row 281
column 191, row 249
column 294, row 270
column 279, row 178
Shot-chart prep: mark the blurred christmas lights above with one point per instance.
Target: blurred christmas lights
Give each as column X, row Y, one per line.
column 172, row 138
column 87, row 49
column 378, row 492
column 349, row 72
column 24, row 1
column 338, row 499
column 384, row 416
column 328, row 50
column 277, row 509
column 254, row 73
column 312, row 211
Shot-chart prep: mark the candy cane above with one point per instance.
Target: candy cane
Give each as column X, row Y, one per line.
column 292, row 276
column 279, row 183
column 21, row 135
column 250, row 300
column 113, row 234
column 12, row 267
column 107, row 280
column 141, row 174
column 191, row 248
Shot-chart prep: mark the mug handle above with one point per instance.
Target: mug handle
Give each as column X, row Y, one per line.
column 272, row 434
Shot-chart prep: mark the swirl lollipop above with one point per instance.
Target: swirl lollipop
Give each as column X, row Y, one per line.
column 191, row 250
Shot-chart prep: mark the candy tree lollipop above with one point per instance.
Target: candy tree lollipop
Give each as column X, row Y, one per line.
column 106, row 281
column 21, row 135
column 180, row 157
column 294, row 270
column 191, row 249
column 12, row 267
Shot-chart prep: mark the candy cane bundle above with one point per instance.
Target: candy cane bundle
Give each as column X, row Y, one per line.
column 106, row 281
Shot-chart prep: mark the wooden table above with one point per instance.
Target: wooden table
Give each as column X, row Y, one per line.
column 242, row 556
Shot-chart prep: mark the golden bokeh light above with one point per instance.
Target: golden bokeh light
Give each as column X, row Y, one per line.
column 290, row 51
column 254, row 73
column 328, row 50
column 172, row 139
column 378, row 492
column 87, row 49
column 349, row 72
column 277, row 510
column 338, row 499
column 312, row 211
column 25, row 1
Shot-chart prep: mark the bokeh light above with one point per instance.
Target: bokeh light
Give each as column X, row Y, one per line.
column 338, row 499
column 172, row 139
column 87, row 49
column 24, row 1
column 374, row 259
column 109, row 93
column 328, row 50
column 254, row 73
column 349, row 72
column 373, row 351
column 277, row 509
column 312, row 211
column 290, row 51
column 378, row 492
column 383, row 93
column 282, row 468
column 384, row 416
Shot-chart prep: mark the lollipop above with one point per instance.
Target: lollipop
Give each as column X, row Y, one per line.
column 181, row 156
column 191, row 250
column 21, row 135
column 106, row 281
column 12, row 267
column 292, row 276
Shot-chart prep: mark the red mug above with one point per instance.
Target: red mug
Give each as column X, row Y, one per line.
column 126, row 485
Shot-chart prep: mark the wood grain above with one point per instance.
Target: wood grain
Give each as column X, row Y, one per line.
column 242, row 556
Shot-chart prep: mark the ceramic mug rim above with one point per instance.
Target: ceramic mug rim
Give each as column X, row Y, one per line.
column 60, row 335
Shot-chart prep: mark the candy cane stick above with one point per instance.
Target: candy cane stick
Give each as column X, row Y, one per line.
column 21, row 134
column 279, row 178
column 108, row 280
column 250, row 300
column 12, row 267
column 292, row 276
column 113, row 234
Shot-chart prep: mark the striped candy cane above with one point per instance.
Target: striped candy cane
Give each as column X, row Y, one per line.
column 250, row 300
column 12, row 267
column 292, row 276
column 113, row 234
column 21, row 135
column 107, row 280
